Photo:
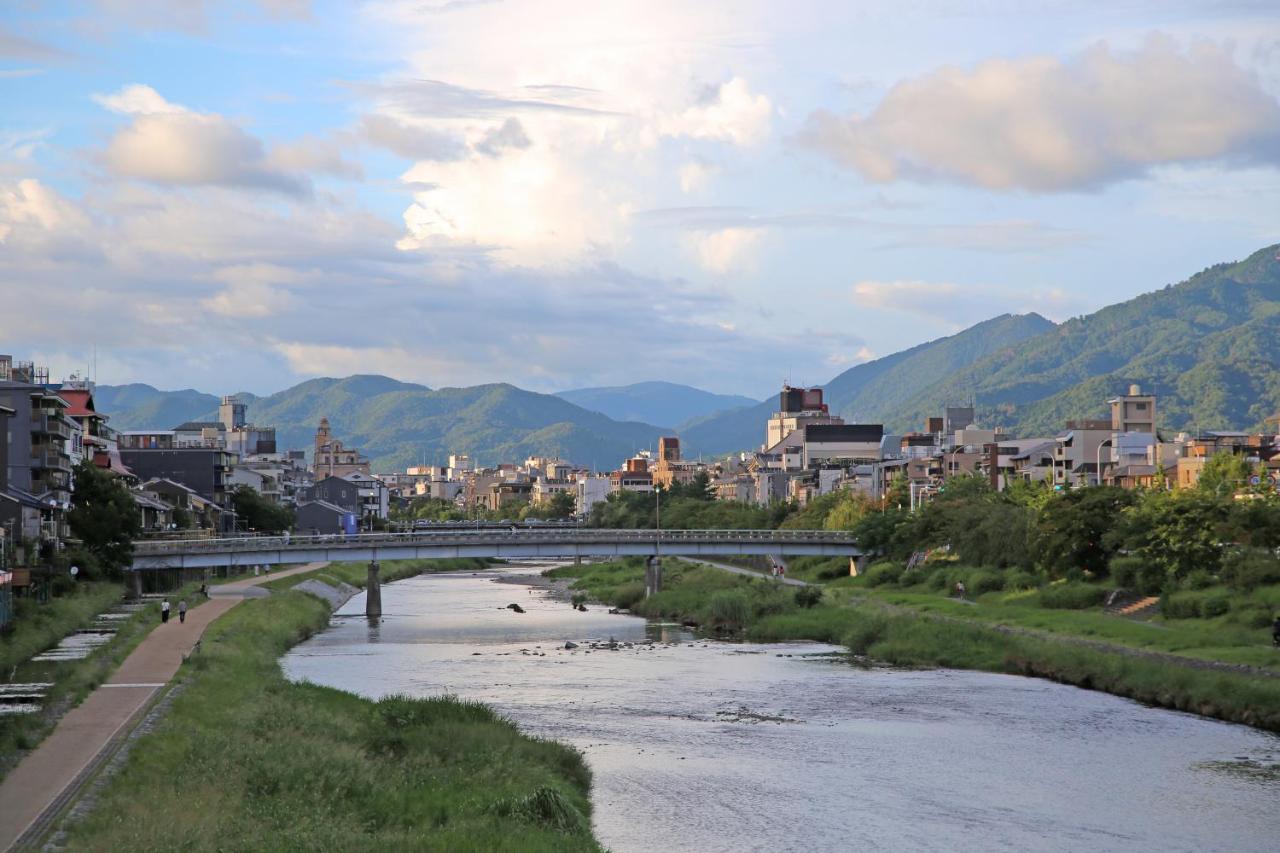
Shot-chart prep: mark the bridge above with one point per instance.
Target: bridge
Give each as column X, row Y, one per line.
column 513, row 544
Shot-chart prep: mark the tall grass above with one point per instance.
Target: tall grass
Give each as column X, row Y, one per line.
column 245, row 760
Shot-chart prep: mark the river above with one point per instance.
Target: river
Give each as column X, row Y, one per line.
column 710, row 746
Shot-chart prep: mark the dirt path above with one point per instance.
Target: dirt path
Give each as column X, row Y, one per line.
column 42, row 784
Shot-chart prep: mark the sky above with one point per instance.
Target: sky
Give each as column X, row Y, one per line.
column 236, row 196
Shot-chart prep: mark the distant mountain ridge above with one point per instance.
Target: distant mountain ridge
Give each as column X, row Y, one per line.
column 874, row 391
column 398, row 424
column 1209, row 348
column 663, row 403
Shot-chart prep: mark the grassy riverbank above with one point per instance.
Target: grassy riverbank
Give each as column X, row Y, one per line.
column 246, row 760
column 926, row 630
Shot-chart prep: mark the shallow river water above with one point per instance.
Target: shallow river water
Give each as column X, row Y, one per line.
column 700, row 745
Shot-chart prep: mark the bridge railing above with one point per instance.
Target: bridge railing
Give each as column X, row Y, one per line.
column 583, row 535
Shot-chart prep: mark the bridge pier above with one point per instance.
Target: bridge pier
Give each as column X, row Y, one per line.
column 373, row 593
column 652, row 576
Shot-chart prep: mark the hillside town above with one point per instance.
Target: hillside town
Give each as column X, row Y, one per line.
column 199, row 478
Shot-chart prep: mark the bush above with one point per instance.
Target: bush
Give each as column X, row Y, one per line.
column 1125, row 571
column 728, row 610
column 1248, row 569
column 1199, row 579
column 1020, row 580
column 979, row 582
column 628, row 595
column 1152, row 579
column 866, row 632
column 1071, row 596
column 1214, row 605
column 1181, row 606
column 882, row 573
column 808, row 596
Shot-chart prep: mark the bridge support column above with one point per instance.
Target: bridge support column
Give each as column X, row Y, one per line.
column 652, row 576
column 373, row 593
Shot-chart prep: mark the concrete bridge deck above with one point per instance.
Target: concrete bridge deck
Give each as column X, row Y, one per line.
column 509, row 544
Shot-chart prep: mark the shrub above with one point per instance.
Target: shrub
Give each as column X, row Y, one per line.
column 1250, row 568
column 882, row 573
column 808, row 596
column 1071, row 596
column 1151, row 579
column 1181, row 606
column 1125, row 570
column 1199, row 579
column 1020, row 580
column 979, row 582
column 869, row 629
column 1214, row 605
column 628, row 595
column 728, row 610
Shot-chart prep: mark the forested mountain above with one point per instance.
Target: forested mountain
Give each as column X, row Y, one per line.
column 874, row 392
column 139, row 406
column 398, row 423
column 1208, row 347
column 662, row 403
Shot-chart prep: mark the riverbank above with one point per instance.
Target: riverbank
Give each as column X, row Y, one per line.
column 725, row 604
column 247, row 760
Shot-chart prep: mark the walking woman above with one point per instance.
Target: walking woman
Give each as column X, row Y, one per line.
column 164, row 611
column 182, row 610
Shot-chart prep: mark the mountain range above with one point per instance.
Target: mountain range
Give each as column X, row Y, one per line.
column 663, row 403
column 1209, row 347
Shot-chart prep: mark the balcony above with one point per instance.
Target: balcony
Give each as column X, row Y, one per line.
column 49, row 458
column 54, row 425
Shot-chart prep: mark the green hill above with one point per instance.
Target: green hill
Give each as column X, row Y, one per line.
column 874, row 391
column 398, row 424
column 139, row 406
column 1208, row 347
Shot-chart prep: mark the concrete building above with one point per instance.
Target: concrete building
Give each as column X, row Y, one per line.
column 1133, row 412
column 323, row 518
column 205, row 469
column 589, row 490
column 797, row 408
column 824, row 444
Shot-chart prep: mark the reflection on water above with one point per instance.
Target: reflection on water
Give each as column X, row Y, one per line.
column 710, row 746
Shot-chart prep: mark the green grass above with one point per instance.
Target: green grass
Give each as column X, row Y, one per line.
column 38, row 626
column 245, row 760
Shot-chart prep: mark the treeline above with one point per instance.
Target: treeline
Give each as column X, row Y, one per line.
column 1150, row 540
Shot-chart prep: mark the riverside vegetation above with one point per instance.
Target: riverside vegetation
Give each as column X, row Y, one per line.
column 1051, row 630
column 245, row 759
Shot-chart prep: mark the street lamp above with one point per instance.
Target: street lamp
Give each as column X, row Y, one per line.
column 1098, row 464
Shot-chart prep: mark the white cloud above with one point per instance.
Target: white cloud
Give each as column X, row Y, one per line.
column 253, row 290
column 728, row 249
column 958, row 306
column 695, row 175
column 730, row 113
column 169, row 144
column 1045, row 124
column 506, row 136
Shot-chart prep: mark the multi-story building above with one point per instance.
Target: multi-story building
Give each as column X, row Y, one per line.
column 161, row 454
column 797, row 408
column 38, row 485
column 589, row 490
column 331, row 459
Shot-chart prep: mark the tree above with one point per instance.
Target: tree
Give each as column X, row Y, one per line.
column 848, row 511
column 561, row 505
column 1177, row 532
column 104, row 517
column 1224, row 475
column 1073, row 528
column 258, row 513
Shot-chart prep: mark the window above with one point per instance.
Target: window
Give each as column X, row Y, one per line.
column 1141, row 407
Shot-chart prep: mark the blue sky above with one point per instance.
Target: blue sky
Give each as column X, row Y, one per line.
column 237, row 196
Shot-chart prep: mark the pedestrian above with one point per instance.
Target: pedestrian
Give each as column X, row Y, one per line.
column 164, row 611
column 204, row 590
column 960, row 590
column 1275, row 632
column 182, row 610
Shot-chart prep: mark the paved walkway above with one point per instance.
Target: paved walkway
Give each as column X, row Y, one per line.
column 48, row 777
column 739, row 570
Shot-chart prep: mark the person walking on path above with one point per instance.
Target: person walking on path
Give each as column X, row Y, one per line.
column 164, row 611
column 182, row 610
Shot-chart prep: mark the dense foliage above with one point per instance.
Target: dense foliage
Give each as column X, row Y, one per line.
column 104, row 518
column 258, row 513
